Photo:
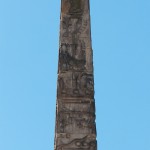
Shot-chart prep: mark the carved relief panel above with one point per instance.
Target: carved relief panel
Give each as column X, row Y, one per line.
column 75, row 57
column 75, row 7
column 72, row 7
column 72, row 56
column 84, row 143
column 76, row 117
column 75, row 27
column 71, row 122
column 75, row 84
column 71, row 26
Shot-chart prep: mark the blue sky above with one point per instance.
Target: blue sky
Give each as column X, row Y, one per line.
column 29, row 35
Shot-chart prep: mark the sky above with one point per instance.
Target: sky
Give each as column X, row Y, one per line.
column 29, row 35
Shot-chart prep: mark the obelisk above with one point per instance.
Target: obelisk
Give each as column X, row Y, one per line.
column 75, row 109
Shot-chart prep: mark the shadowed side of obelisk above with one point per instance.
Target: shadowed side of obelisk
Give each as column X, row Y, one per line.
column 75, row 112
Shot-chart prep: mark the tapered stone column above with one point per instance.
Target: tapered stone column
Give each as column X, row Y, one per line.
column 75, row 110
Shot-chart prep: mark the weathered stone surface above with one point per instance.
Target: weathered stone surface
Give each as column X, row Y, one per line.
column 75, row 112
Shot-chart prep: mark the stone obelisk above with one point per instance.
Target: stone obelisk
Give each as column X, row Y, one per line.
column 75, row 109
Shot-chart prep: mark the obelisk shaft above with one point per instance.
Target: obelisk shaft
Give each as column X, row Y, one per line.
column 75, row 111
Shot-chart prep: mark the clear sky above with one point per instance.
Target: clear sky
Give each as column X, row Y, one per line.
column 29, row 34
